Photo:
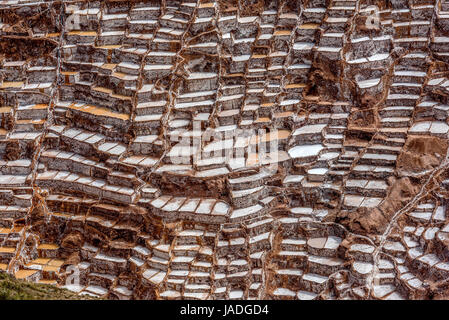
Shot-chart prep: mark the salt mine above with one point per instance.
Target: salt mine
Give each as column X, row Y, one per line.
column 227, row 149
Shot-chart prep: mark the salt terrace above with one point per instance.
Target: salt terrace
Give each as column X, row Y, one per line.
column 197, row 149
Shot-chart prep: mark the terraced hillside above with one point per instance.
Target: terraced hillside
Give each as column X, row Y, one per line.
column 228, row 149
